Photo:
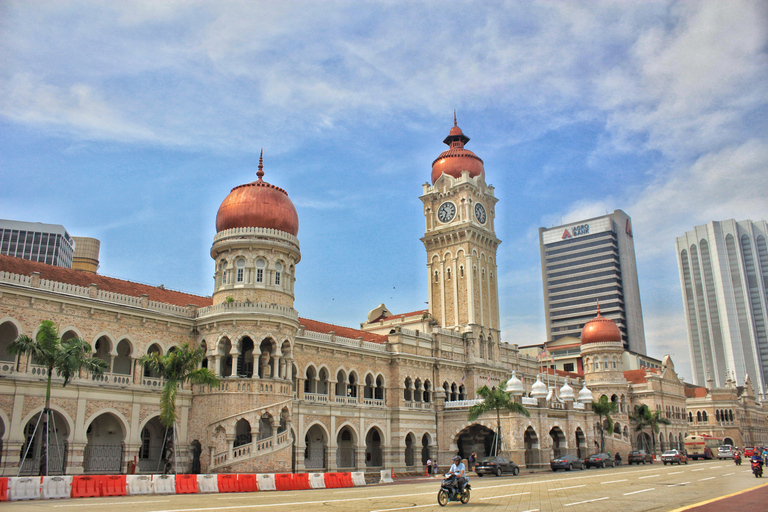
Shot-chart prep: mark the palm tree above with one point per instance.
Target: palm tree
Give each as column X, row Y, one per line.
column 67, row 358
column 643, row 417
column 178, row 366
column 604, row 407
column 495, row 399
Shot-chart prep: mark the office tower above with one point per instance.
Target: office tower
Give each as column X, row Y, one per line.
column 46, row 243
column 724, row 278
column 589, row 261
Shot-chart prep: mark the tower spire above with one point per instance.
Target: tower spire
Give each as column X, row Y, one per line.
column 454, row 118
column 260, row 172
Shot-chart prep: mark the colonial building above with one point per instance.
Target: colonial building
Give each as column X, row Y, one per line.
column 298, row 394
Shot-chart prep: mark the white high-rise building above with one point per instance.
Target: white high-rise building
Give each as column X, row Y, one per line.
column 589, row 261
column 724, row 279
column 46, row 243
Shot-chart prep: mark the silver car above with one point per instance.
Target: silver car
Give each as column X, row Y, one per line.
column 725, row 451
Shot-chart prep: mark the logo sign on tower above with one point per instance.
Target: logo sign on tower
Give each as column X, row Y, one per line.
column 581, row 229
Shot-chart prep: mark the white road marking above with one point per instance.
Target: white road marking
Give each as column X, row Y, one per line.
column 675, row 473
column 710, row 478
column 729, row 474
column 571, row 487
column 613, row 482
column 504, row 496
column 648, row 476
column 700, row 469
column 636, row 492
column 588, row 501
column 676, row 485
column 403, row 508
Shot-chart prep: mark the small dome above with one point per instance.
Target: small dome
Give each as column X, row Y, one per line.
column 514, row 385
column 539, row 389
column 600, row 329
column 585, row 395
column 456, row 159
column 258, row 205
column 566, row 392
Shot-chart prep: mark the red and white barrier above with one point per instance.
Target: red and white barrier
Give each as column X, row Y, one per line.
column 138, row 484
column 207, row 483
column 23, row 488
column 56, row 487
column 358, row 478
column 317, row 480
column 163, row 484
column 266, row 482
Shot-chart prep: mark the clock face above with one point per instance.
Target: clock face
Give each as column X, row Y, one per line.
column 480, row 213
column 446, row 212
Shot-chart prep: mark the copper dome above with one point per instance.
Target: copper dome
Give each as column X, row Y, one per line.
column 456, row 159
column 258, row 205
column 600, row 329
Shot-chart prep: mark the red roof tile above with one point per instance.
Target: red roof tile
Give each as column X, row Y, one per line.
column 346, row 332
column 693, row 391
column 110, row 284
column 635, row 376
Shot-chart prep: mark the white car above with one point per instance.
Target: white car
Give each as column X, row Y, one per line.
column 725, row 452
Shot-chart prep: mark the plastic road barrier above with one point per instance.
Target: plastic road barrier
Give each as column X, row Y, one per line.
column 335, row 480
column 386, row 477
column 85, row 486
column 186, row 484
column 229, row 483
column 4, row 488
column 300, row 481
column 23, row 488
column 138, row 484
column 56, row 487
column 114, row 485
column 207, row 483
column 358, row 478
column 283, row 482
column 317, row 480
column 248, row 483
column 267, row 482
column 163, row 484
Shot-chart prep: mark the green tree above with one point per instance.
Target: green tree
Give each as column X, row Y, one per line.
column 643, row 417
column 604, row 407
column 65, row 357
column 495, row 400
column 178, row 366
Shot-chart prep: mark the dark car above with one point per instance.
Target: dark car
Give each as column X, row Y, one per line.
column 599, row 460
column 674, row 456
column 639, row 457
column 566, row 462
column 496, row 466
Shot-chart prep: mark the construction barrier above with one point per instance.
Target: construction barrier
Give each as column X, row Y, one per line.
column 283, row 482
column 300, row 481
column 4, row 488
column 186, row 484
column 207, row 483
column 267, row 482
column 114, row 485
column 23, row 488
column 317, row 480
column 248, row 483
column 386, row 477
column 163, row 484
column 56, row 487
column 138, row 484
column 86, row 486
column 229, row 483
column 358, row 478
column 336, row 480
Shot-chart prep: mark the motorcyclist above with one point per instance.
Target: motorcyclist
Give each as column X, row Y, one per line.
column 757, row 459
column 737, row 458
column 458, row 469
column 617, row 458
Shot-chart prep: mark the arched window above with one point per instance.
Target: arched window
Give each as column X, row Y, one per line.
column 278, row 270
column 461, row 271
column 260, row 265
column 223, row 267
column 698, row 415
column 448, row 274
column 704, row 415
column 437, row 276
column 240, row 264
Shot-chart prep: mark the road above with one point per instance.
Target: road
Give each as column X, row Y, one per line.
column 624, row 489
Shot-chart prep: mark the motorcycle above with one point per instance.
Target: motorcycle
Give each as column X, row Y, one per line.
column 737, row 459
column 757, row 469
column 449, row 491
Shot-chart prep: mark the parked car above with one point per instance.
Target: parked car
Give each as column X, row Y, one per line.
column 496, row 466
column 566, row 462
column 674, row 456
column 599, row 460
column 639, row 457
column 749, row 451
column 725, row 451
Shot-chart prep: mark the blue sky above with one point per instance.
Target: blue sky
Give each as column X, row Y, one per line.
column 131, row 121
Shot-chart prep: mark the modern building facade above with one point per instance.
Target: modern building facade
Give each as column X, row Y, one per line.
column 586, row 262
column 724, row 280
column 46, row 243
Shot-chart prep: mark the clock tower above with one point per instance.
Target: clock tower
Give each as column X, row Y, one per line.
column 459, row 208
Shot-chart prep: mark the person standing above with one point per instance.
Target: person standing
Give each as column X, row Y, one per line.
column 471, row 462
column 429, row 467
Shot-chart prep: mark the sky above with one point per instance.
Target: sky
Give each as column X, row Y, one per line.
column 131, row 121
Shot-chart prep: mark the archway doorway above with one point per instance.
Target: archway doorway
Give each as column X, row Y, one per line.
column 425, row 452
column 104, row 451
column 581, row 443
column 315, row 442
column 151, row 456
column 39, row 453
column 373, row 454
column 475, row 438
column 531, row 442
column 345, row 451
column 558, row 442
column 410, row 450
column 644, row 442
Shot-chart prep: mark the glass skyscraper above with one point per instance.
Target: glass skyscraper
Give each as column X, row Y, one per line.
column 724, row 279
column 46, row 243
column 589, row 261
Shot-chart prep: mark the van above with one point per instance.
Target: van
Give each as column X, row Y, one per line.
column 725, row 451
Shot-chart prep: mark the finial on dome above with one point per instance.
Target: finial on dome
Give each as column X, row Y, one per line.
column 598, row 306
column 260, row 172
column 454, row 118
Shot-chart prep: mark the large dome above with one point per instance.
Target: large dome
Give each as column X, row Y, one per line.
column 600, row 329
column 258, row 205
column 456, row 159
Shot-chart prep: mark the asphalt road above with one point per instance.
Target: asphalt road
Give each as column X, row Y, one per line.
column 624, row 489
